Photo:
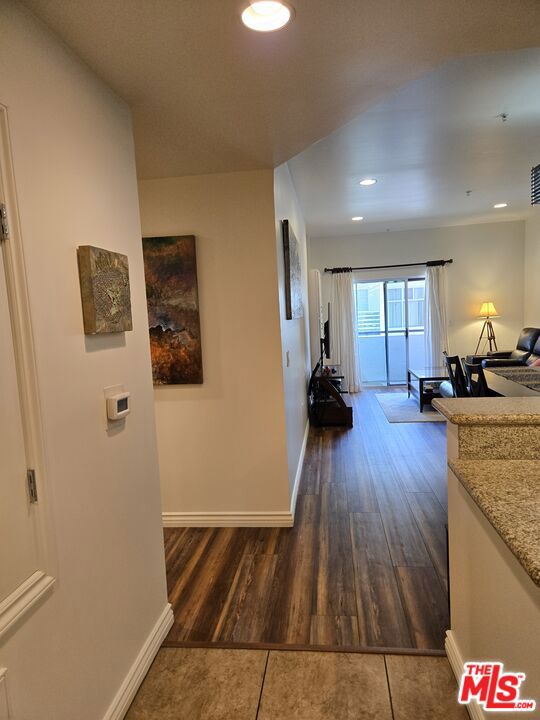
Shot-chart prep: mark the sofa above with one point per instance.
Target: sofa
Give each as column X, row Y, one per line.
column 527, row 352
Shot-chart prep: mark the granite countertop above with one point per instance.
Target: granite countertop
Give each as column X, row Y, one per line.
column 508, row 493
column 490, row 410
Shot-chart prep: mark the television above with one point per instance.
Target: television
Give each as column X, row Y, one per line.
column 325, row 340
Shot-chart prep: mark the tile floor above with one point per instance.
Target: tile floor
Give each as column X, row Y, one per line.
column 215, row 684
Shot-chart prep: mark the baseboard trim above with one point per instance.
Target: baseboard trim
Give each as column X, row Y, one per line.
column 228, row 519
column 299, row 468
column 282, row 518
column 124, row 697
column 456, row 663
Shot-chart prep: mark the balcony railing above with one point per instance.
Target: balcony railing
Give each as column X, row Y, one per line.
column 368, row 321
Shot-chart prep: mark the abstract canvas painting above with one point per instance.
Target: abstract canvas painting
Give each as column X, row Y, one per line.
column 106, row 300
column 170, row 266
column 294, row 307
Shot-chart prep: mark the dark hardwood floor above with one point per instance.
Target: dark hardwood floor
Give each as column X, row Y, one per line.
column 364, row 566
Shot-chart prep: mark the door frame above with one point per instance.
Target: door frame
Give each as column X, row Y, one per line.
column 17, row 604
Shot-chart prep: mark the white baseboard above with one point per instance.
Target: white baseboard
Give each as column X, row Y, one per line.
column 280, row 518
column 456, row 663
column 300, row 467
column 124, row 697
column 228, row 519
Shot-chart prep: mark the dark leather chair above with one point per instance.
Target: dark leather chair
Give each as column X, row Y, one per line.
column 535, row 355
column 457, row 378
column 526, row 352
column 476, row 380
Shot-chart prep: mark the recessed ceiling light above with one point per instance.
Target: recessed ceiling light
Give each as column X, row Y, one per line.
column 357, row 218
column 266, row 15
column 497, row 206
column 366, row 182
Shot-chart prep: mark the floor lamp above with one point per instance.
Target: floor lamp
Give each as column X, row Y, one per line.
column 487, row 311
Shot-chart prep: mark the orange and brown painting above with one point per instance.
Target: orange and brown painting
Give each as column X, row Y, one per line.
column 170, row 267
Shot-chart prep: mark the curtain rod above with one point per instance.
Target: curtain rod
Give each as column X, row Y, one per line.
column 429, row 263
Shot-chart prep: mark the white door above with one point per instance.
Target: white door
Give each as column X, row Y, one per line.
column 25, row 540
column 18, row 541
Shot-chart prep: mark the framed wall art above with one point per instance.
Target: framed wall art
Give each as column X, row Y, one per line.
column 105, row 293
column 294, row 305
column 170, row 266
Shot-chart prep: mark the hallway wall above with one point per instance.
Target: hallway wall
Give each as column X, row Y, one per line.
column 222, row 444
column 532, row 269
column 294, row 333
column 75, row 173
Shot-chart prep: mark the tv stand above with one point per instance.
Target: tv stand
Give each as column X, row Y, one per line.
column 327, row 405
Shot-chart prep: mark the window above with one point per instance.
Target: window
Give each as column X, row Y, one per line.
column 416, row 295
column 369, row 308
column 396, row 307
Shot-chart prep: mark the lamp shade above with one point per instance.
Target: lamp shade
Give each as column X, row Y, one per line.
column 488, row 309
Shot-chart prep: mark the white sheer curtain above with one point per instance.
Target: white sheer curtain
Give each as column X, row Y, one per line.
column 343, row 335
column 436, row 330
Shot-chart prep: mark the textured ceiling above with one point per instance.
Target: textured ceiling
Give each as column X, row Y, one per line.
column 208, row 95
column 428, row 144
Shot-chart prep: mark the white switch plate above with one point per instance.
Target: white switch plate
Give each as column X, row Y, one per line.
column 4, row 706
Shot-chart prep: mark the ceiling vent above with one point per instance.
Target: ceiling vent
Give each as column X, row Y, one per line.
column 535, row 185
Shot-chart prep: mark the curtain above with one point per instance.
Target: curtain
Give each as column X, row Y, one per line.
column 436, row 331
column 343, row 335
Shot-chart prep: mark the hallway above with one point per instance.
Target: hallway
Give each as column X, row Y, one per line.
column 364, row 566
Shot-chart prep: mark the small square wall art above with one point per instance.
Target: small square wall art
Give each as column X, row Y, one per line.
column 106, row 300
column 170, row 266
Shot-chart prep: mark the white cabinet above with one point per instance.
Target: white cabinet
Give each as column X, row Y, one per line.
column 494, row 604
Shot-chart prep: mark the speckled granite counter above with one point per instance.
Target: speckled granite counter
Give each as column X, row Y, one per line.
column 508, row 493
column 493, row 428
column 493, row 449
column 490, row 411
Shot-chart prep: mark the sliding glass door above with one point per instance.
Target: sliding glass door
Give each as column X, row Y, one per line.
column 396, row 331
column 390, row 324
column 416, row 290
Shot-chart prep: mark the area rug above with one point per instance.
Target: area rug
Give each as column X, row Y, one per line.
column 398, row 408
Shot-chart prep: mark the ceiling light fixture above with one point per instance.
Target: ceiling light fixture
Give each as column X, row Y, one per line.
column 367, row 182
column 357, row 218
column 498, row 206
column 266, row 15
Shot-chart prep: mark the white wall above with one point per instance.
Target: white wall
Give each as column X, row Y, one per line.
column 294, row 333
column 488, row 265
column 532, row 269
column 222, row 444
column 75, row 173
